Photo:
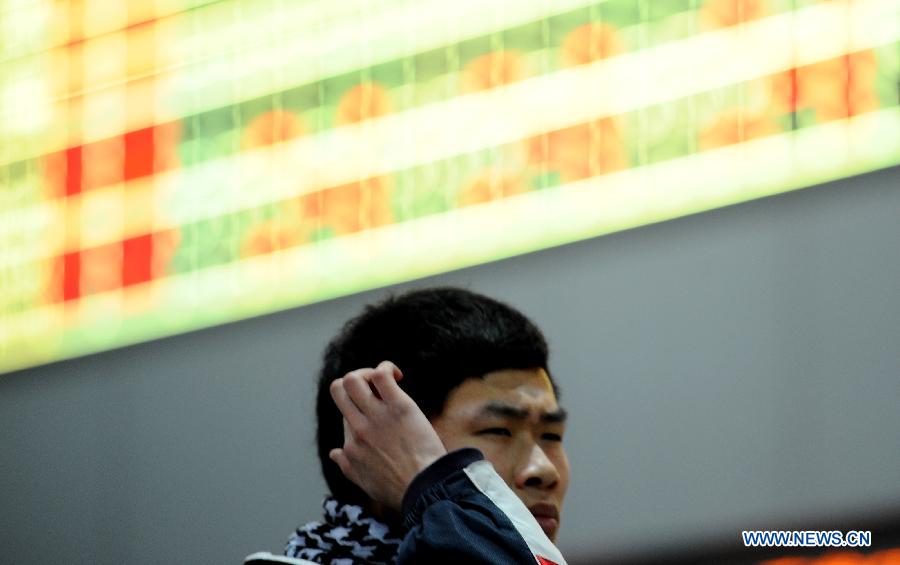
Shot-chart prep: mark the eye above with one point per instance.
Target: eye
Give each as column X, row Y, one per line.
column 551, row 437
column 495, row 431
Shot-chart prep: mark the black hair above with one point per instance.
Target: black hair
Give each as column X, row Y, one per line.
column 438, row 337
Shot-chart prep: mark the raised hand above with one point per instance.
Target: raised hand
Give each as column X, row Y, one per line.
column 387, row 438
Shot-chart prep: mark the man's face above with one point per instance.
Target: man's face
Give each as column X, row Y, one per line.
column 512, row 416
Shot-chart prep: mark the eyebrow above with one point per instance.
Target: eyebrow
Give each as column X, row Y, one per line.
column 503, row 410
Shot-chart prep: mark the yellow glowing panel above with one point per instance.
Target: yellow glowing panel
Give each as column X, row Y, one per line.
column 170, row 165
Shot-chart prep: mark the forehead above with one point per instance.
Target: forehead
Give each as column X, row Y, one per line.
column 524, row 388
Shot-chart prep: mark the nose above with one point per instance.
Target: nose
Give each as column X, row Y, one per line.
column 536, row 470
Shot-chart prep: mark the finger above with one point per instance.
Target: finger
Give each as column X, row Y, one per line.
column 360, row 393
column 348, row 433
column 338, row 456
column 384, row 367
column 343, row 402
column 366, row 374
column 385, row 382
column 392, row 369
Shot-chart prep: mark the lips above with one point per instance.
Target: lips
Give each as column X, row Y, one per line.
column 547, row 517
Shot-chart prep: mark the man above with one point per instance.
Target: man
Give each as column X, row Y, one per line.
column 440, row 437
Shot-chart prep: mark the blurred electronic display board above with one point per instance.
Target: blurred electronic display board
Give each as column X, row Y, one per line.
column 172, row 164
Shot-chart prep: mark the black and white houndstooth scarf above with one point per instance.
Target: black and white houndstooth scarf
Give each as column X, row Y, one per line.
column 347, row 537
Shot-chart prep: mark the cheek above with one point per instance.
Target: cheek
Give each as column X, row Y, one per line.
column 494, row 451
column 489, row 448
column 455, row 441
column 455, row 438
column 500, row 458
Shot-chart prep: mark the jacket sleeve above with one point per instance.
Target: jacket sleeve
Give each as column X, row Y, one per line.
column 459, row 510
